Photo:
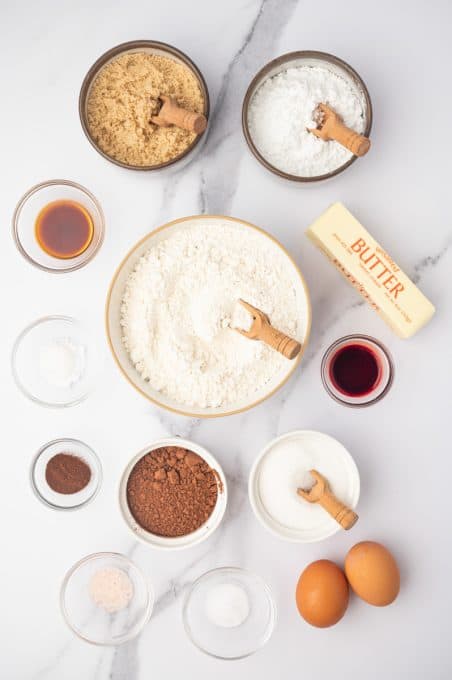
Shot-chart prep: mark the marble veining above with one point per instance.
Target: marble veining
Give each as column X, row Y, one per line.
column 400, row 445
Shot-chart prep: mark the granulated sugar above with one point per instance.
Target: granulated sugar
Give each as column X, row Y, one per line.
column 180, row 304
column 283, row 108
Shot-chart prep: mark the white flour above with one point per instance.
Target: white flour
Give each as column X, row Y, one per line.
column 282, row 109
column 180, row 305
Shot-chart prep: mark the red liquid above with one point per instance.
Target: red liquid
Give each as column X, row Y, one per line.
column 355, row 370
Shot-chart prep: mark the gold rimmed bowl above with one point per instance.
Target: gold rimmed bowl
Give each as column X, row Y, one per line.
column 114, row 330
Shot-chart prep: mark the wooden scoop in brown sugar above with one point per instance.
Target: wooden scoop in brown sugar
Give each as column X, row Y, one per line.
column 321, row 493
column 261, row 329
column 172, row 114
column 330, row 126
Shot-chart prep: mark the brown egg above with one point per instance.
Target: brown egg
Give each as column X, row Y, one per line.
column 373, row 573
column 322, row 594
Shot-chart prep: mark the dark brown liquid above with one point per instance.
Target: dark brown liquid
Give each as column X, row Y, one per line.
column 64, row 229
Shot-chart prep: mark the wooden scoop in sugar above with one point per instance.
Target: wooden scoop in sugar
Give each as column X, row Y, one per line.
column 172, row 114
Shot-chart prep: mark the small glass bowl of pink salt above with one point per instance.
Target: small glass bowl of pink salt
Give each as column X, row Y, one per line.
column 105, row 599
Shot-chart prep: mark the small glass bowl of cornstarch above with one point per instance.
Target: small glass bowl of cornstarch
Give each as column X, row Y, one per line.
column 55, row 361
column 280, row 105
column 229, row 613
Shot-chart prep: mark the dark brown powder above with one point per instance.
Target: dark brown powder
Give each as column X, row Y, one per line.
column 66, row 473
column 172, row 491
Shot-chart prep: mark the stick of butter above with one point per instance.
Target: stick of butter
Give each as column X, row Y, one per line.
column 371, row 270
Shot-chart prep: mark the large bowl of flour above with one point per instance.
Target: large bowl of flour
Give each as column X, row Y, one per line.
column 172, row 308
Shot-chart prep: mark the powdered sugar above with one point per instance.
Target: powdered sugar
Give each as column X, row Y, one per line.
column 180, row 306
column 283, row 108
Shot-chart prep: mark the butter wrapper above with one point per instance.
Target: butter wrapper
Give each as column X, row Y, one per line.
column 369, row 268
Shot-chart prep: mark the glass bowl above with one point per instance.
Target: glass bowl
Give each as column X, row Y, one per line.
column 92, row 622
column 385, row 370
column 150, row 47
column 305, row 58
column 28, row 209
column 235, row 642
column 31, row 356
column 60, row 501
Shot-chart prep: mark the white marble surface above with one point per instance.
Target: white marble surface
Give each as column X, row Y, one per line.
column 401, row 192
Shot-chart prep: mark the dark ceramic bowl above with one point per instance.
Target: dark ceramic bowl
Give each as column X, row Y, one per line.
column 304, row 58
column 151, row 47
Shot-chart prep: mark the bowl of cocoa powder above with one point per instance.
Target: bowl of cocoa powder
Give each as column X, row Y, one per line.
column 173, row 494
column 121, row 96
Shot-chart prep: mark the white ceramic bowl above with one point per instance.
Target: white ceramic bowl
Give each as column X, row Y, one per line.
column 114, row 332
column 322, row 525
column 179, row 542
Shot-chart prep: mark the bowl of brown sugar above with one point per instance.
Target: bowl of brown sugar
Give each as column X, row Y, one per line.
column 123, row 100
column 173, row 494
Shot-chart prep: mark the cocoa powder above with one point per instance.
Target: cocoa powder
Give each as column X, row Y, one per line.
column 67, row 474
column 172, row 491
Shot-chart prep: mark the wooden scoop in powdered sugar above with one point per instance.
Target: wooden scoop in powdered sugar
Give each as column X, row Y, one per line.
column 261, row 329
column 331, row 127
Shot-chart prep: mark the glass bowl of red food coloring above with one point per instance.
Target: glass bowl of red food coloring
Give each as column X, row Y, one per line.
column 58, row 226
column 357, row 370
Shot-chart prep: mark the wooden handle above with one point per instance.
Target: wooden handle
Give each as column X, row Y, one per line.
column 172, row 114
column 353, row 141
column 284, row 344
column 341, row 513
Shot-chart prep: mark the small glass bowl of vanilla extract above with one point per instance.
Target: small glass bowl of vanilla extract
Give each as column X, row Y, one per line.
column 58, row 226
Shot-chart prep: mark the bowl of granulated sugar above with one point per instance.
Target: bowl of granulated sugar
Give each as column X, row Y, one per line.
column 280, row 106
column 171, row 315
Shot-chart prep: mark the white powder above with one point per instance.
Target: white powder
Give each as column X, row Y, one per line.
column 111, row 589
column 227, row 605
column 61, row 362
column 285, row 468
column 283, row 108
column 180, row 305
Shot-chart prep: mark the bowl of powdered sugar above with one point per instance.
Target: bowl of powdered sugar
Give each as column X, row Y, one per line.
column 280, row 106
column 172, row 311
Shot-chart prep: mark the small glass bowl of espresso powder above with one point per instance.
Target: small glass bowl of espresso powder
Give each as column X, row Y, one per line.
column 66, row 474
column 58, row 226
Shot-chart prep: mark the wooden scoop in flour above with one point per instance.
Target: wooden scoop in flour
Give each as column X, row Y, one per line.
column 172, row 114
column 321, row 493
column 261, row 329
column 330, row 126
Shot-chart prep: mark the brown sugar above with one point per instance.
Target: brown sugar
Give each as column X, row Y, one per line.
column 172, row 491
column 122, row 99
